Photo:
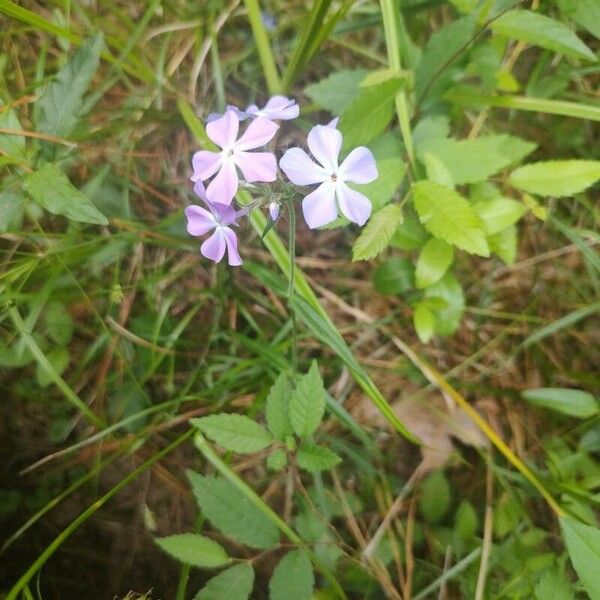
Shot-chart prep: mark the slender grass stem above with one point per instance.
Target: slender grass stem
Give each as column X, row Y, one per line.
column 292, row 282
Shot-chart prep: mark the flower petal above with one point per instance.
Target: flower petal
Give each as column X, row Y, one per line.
column 256, row 166
column 223, row 131
column 205, row 164
column 325, row 144
column 354, row 206
column 233, row 257
column 224, row 213
column 280, row 107
column 200, row 190
column 359, row 166
column 223, row 187
column 319, row 206
column 199, row 220
column 258, row 133
column 214, row 247
column 300, row 169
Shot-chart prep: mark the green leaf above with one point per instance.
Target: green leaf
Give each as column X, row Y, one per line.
column 434, row 501
column 195, row 550
column 369, row 113
column 232, row 513
column 465, row 522
column 12, row 208
column 377, row 233
column 493, row 153
column 498, row 213
column 586, row 13
column 575, row 403
column 394, row 276
column 583, row 544
column 278, row 419
column 234, row 583
column 337, row 91
column 51, row 188
column 449, row 217
column 553, row 585
column 313, row 458
column 13, row 145
column 277, row 460
column 424, row 321
column 433, row 262
column 531, row 27
column 59, row 358
column 448, row 289
column 307, row 404
column 409, row 235
column 59, row 324
column 504, row 244
column 293, row 578
column 61, row 103
column 234, row 432
column 556, row 178
column 507, row 515
column 436, row 170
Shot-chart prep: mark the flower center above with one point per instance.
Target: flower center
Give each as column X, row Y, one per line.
column 334, row 177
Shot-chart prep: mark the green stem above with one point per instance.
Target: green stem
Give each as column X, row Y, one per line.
column 86, row 514
column 291, row 283
column 214, row 459
column 263, row 46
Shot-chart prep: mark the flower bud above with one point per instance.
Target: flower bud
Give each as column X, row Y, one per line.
column 274, row 211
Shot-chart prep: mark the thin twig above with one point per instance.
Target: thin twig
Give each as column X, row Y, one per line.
column 487, row 535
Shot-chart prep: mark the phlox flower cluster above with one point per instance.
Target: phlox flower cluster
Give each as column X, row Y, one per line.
column 216, row 174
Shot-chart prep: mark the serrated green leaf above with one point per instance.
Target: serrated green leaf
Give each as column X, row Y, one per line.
column 51, row 188
column 448, row 289
column 277, row 460
column 493, row 153
column 234, row 432
column 293, row 578
column 378, row 232
column 232, row 513
column 336, row 92
column 277, row 412
column 556, row 178
column 433, row 262
column 435, row 497
column 307, row 404
column 583, row 544
column 498, row 213
column 575, row 403
column 424, row 321
column 313, row 458
column 449, row 217
column 369, row 113
column 61, row 102
column 394, row 276
column 409, row 235
column 504, row 244
column 436, row 170
column 193, row 549
column 543, row 31
column 234, row 583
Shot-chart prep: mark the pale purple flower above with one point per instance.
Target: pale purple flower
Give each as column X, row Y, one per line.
column 320, row 207
column 218, row 218
column 255, row 166
column 278, row 108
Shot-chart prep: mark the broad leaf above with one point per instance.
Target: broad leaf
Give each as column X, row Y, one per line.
column 13, row 145
column 575, row 403
column 313, row 458
column 394, row 276
column 337, row 91
column 471, row 161
column 435, row 497
column 234, row 583
column 583, row 544
column 499, row 213
column 449, row 217
column 59, row 359
column 307, row 404
column 277, row 460
column 586, row 13
column 232, row 513
column 293, row 578
column 195, row 550
column 51, row 188
column 234, row 432
column 449, row 290
column 528, row 26
column 556, row 178
column 12, row 208
column 504, row 244
column 424, row 321
column 409, row 235
column 434, row 260
column 278, row 419
column 553, row 585
column 378, row 232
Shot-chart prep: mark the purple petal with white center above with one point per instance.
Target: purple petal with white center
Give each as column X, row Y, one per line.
column 319, row 206
column 259, row 132
column 359, row 166
column 301, row 169
column 354, row 206
column 233, row 257
column 257, row 166
column 199, row 220
column 223, row 187
column 200, row 190
column 224, row 214
column 205, row 164
column 223, row 131
column 325, row 144
column 213, row 248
